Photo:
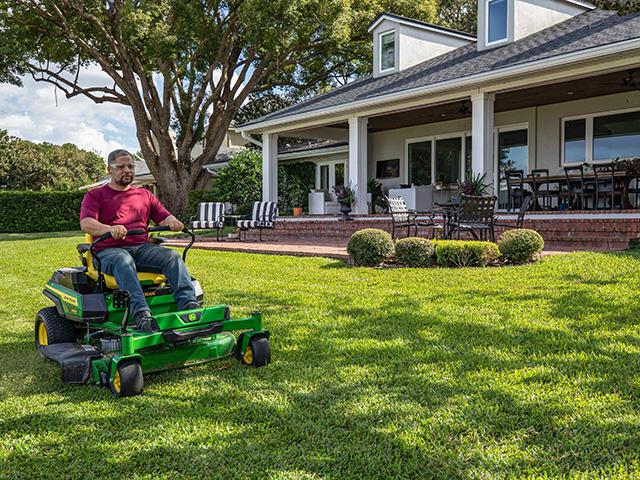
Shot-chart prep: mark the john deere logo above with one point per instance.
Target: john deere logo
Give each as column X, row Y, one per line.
column 191, row 317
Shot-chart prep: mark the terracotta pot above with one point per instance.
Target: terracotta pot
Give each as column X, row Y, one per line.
column 297, row 211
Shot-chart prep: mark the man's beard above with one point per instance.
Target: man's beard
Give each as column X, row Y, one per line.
column 124, row 180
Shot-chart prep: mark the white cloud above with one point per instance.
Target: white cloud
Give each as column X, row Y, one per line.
column 37, row 112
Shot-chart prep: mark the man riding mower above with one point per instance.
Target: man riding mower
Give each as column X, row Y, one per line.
column 132, row 307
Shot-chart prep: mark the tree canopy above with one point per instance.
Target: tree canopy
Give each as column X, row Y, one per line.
column 189, row 66
column 26, row 165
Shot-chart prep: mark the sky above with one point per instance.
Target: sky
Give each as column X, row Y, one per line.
column 31, row 112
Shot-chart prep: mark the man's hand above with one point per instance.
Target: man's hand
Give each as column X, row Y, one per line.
column 118, row 231
column 174, row 224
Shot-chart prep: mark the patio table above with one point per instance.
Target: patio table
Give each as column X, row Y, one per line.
column 589, row 177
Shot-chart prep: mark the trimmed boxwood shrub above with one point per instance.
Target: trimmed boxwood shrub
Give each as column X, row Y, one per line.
column 462, row 253
column 27, row 211
column 520, row 245
column 415, row 252
column 370, row 246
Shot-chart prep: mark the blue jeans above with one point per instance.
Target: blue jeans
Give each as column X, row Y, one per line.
column 123, row 263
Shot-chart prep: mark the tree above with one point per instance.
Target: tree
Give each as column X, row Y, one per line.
column 189, row 66
column 240, row 182
column 25, row 165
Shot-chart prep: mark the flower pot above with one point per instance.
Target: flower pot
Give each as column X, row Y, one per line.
column 233, row 235
column 345, row 209
column 297, row 211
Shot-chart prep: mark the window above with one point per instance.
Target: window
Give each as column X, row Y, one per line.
column 339, row 174
column 324, row 177
column 513, row 154
column 419, row 155
column 601, row 137
column 448, row 155
column 467, row 155
column 388, row 168
column 497, row 21
column 330, row 174
column 387, row 51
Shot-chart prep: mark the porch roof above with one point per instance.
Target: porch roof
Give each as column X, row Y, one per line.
column 595, row 28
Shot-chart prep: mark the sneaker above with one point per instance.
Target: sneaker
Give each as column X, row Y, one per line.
column 144, row 322
column 192, row 306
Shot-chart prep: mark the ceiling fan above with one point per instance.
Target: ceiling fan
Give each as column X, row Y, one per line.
column 631, row 79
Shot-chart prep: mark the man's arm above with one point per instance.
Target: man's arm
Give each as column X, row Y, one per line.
column 173, row 223
column 94, row 228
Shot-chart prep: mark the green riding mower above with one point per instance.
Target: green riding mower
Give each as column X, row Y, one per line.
column 87, row 333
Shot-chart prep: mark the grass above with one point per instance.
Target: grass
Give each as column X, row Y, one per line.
column 528, row 371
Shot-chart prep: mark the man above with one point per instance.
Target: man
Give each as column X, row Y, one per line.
column 118, row 208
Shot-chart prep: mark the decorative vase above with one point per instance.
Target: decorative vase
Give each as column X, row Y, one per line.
column 345, row 209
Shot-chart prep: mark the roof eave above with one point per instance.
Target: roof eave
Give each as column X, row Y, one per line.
column 464, row 82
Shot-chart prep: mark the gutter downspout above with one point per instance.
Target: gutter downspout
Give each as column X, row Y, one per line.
column 249, row 138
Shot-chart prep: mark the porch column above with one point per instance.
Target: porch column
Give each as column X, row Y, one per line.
column 482, row 135
column 358, row 161
column 269, row 167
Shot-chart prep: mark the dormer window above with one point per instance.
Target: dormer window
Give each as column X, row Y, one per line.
column 497, row 21
column 387, row 51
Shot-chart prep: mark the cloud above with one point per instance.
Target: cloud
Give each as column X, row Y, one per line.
column 37, row 112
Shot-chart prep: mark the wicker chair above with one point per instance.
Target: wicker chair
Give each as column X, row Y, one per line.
column 475, row 215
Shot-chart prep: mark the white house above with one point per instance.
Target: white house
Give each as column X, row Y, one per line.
column 547, row 83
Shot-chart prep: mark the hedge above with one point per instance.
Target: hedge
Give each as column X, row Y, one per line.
column 462, row 253
column 25, row 211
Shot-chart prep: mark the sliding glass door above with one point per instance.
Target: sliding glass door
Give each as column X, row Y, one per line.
column 513, row 154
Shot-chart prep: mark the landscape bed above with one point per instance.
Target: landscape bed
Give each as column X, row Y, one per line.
column 376, row 373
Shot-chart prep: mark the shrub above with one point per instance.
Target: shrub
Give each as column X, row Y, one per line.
column 25, row 211
column 520, row 245
column 370, row 246
column 461, row 253
column 415, row 252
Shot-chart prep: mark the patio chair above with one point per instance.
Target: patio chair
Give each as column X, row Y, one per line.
column 263, row 215
column 475, row 214
column 579, row 189
column 515, row 188
column 401, row 216
column 606, row 186
column 543, row 191
column 527, row 203
column 210, row 215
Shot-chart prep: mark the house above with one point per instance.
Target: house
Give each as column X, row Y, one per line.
column 545, row 84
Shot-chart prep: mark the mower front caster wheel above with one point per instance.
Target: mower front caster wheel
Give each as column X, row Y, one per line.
column 51, row 328
column 127, row 380
column 258, row 352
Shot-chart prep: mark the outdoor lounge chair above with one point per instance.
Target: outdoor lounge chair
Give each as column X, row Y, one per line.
column 210, row 215
column 263, row 215
column 526, row 205
column 402, row 217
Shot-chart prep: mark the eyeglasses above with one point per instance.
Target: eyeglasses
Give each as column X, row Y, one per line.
column 122, row 166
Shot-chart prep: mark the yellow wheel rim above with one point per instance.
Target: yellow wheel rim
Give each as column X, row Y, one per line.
column 116, row 381
column 43, row 339
column 248, row 355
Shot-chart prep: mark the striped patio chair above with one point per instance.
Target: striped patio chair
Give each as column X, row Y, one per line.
column 263, row 215
column 210, row 215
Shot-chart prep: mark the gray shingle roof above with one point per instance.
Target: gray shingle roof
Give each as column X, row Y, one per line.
column 587, row 30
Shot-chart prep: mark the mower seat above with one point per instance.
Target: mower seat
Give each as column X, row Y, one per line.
column 145, row 278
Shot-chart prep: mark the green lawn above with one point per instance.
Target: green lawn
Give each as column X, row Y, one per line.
column 397, row 373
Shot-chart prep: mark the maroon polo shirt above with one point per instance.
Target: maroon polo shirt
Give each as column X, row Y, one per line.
column 132, row 208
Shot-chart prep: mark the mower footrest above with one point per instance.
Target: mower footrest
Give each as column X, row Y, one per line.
column 174, row 336
column 74, row 360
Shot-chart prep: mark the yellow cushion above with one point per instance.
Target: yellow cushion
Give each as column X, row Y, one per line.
column 148, row 278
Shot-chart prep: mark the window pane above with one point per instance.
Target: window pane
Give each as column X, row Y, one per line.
column 467, row 156
column 574, row 140
column 448, row 155
column 339, row 173
column 616, row 136
column 324, row 177
column 387, row 51
column 497, row 20
column 513, row 154
column 420, row 163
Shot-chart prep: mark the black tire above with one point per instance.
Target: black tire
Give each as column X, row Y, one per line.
column 51, row 328
column 128, row 380
column 258, row 352
column 238, row 351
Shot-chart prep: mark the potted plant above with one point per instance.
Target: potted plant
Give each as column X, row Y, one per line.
column 234, row 234
column 473, row 185
column 345, row 194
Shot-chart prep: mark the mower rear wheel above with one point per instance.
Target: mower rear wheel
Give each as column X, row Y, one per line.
column 258, row 352
column 128, row 380
column 51, row 328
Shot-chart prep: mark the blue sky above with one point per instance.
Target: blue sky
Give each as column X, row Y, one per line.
column 31, row 112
